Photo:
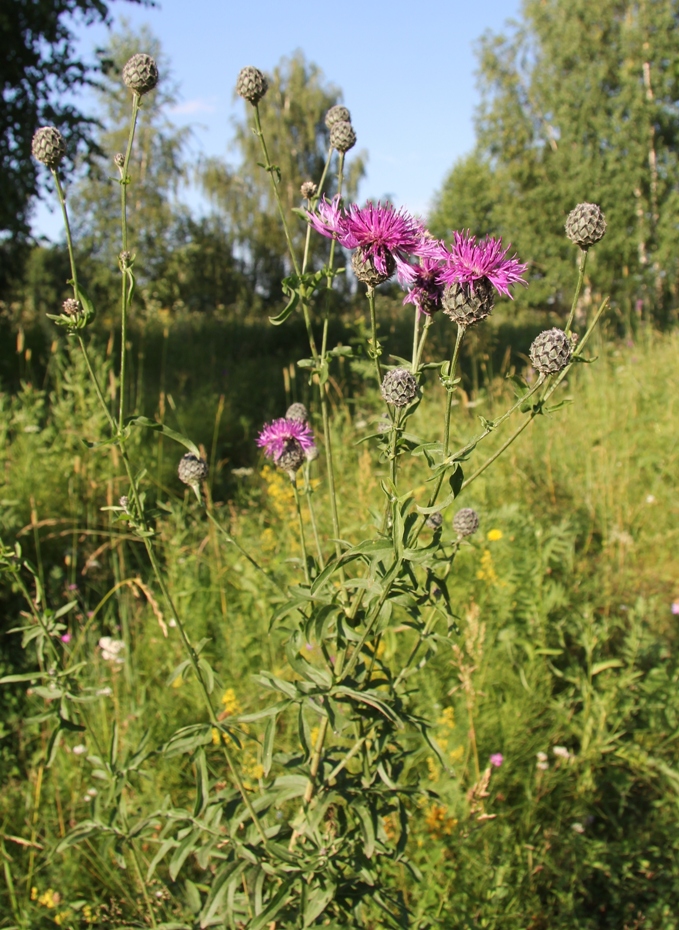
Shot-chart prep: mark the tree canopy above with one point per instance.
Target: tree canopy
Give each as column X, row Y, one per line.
column 39, row 69
column 580, row 102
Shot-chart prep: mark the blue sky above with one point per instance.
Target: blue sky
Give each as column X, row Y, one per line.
column 407, row 72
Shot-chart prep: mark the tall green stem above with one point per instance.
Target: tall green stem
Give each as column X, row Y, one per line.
column 416, row 333
column 274, row 183
column 322, row 388
column 312, row 516
column 67, row 229
column 451, row 388
column 191, row 653
column 375, row 351
column 302, row 540
column 124, row 296
column 578, row 288
column 234, row 542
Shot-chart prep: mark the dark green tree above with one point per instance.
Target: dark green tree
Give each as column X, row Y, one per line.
column 187, row 263
column 293, row 109
column 39, row 69
column 580, row 102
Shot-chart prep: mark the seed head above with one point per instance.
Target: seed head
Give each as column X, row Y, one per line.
column 297, row 412
column 251, row 84
column 399, row 387
column 119, row 160
column 125, row 259
column 48, row 146
column 434, row 520
column 125, row 503
column 308, row 190
column 467, row 304
column 551, row 351
column 291, row 458
column 192, row 469
column 466, row 522
column 342, row 136
column 586, row 225
column 71, row 307
column 363, row 266
column 141, row 73
column 337, row 114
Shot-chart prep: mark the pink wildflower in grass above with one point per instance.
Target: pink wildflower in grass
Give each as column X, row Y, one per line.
column 497, row 759
column 275, row 437
column 467, row 262
column 378, row 231
column 426, row 289
column 66, row 638
column 675, row 607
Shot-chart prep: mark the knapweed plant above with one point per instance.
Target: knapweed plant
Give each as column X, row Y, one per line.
column 320, row 834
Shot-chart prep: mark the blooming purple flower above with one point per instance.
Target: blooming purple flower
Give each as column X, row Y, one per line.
column 675, row 607
column 66, row 638
column 467, row 262
column 497, row 759
column 378, row 231
column 426, row 289
column 276, row 435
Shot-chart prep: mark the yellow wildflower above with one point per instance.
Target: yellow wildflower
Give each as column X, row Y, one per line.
column 447, row 718
column 487, row 571
column 494, row 535
column 49, row 898
column 438, row 823
column 456, row 754
column 231, row 702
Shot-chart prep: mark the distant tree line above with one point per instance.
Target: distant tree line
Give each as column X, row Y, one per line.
column 580, row 102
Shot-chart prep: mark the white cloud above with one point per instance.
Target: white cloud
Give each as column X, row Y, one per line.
column 189, row 107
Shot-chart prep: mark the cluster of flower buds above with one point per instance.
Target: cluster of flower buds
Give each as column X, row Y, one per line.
column 342, row 134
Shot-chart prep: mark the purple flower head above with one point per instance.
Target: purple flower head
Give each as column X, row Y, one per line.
column 377, row 231
column 467, row 262
column 497, row 759
column 66, row 638
column 275, row 436
column 675, row 607
column 426, row 289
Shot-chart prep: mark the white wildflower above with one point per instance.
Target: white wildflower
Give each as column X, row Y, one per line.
column 110, row 649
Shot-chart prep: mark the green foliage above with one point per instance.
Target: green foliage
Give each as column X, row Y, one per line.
column 38, row 67
column 292, row 114
column 579, row 104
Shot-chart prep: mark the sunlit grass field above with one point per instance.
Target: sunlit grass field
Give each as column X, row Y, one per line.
column 563, row 667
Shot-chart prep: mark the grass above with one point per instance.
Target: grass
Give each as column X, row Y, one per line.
column 566, row 632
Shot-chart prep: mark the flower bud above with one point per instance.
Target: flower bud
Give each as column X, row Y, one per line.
column 48, row 146
column 251, row 84
column 342, row 136
column 337, row 114
column 140, row 74
column 551, row 351
column 399, row 387
column 297, row 412
column 192, row 469
column 364, row 268
column 466, row 522
column 586, row 225
column 71, row 307
column 467, row 305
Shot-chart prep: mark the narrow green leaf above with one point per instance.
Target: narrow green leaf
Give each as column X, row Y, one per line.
column 268, row 744
column 165, row 430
